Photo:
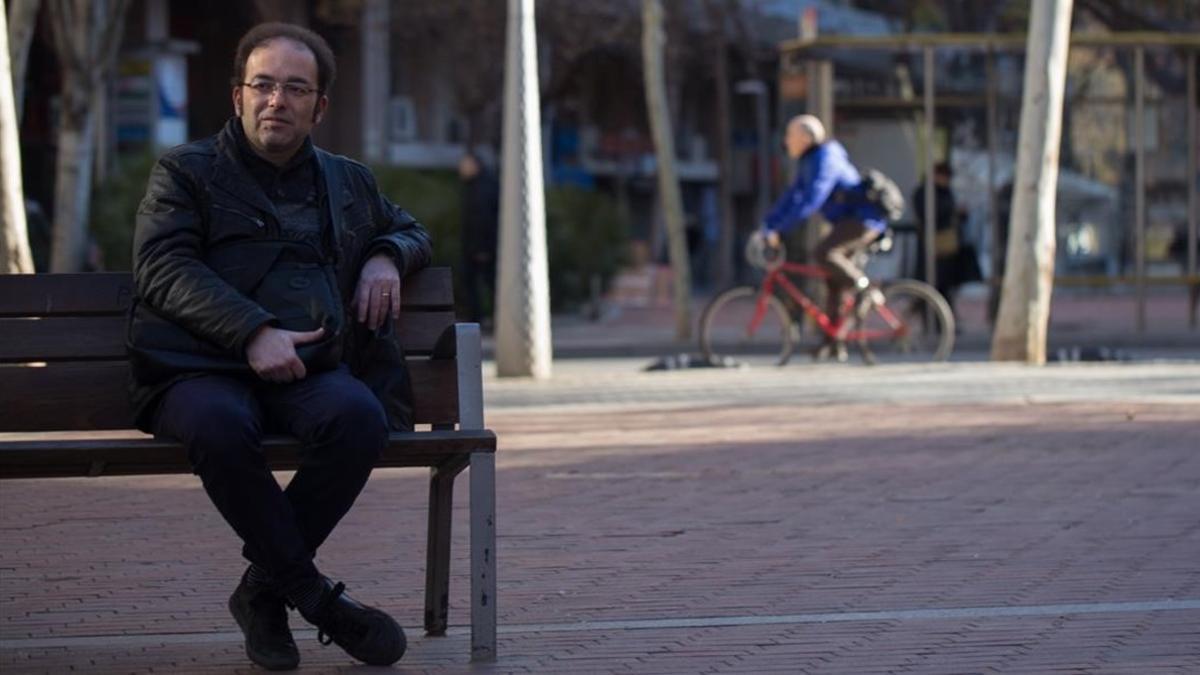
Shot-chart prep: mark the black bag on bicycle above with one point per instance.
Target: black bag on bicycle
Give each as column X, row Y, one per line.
column 882, row 192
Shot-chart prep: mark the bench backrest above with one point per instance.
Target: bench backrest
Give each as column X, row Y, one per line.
column 62, row 350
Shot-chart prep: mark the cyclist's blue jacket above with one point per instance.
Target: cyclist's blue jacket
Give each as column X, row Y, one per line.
column 825, row 181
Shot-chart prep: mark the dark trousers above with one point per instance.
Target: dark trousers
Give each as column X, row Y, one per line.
column 836, row 252
column 479, row 285
column 221, row 421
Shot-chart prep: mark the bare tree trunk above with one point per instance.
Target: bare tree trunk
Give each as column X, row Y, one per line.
column 1021, row 327
column 21, row 22
column 376, row 78
column 523, row 342
column 14, row 237
column 86, row 38
column 73, row 191
column 664, row 149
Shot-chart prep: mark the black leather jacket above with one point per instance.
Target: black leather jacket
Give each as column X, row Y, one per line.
column 200, row 198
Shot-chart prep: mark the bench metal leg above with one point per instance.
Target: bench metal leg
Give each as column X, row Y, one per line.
column 483, row 557
column 437, row 552
column 483, row 496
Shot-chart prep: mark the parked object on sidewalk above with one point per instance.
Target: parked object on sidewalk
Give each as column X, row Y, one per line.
column 1089, row 354
column 684, row 361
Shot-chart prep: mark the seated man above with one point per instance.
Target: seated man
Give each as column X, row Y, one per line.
column 219, row 218
column 826, row 181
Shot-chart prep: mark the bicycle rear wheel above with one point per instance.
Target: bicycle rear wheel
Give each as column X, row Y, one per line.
column 747, row 327
column 914, row 324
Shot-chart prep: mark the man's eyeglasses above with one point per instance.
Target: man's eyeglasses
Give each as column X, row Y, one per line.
column 265, row 88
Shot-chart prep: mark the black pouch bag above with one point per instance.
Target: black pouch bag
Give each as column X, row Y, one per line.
column 288, row 279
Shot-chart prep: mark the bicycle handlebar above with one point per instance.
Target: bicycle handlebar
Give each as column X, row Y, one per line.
column 762, row 255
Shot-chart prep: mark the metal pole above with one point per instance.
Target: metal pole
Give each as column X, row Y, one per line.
column 998, row 245
column 1139, row 202
column 723, row 274
column 930, row 204
column 1193, row 284
column 764, row 151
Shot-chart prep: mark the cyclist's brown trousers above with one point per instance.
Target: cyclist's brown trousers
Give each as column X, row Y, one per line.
column 836, row 252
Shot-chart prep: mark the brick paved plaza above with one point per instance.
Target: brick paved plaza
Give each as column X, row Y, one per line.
column 949, row 519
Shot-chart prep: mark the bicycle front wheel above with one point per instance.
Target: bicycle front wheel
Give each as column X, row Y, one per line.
column 746, row 326
column 914, row 324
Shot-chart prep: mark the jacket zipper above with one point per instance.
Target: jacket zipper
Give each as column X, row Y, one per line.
column 258, row 222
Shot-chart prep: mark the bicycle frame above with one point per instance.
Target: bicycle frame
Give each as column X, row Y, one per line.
column 778, row 277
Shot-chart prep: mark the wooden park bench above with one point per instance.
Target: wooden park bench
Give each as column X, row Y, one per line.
column 64, row 411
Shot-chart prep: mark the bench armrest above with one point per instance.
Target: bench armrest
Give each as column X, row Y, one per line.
column 462, row 343
column 446, row 346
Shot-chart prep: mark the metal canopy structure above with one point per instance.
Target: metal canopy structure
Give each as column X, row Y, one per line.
column 996, row 41
column 822, row 48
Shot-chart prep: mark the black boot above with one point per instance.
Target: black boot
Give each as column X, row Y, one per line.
column 366, row 633
column 262, row 616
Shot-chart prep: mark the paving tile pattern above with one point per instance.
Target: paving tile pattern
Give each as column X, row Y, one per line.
column 666, row 512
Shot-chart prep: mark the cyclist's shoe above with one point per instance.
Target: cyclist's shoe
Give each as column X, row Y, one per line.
column 262, row 616
column 366, row 633
column 865, row 299
column 831, row 351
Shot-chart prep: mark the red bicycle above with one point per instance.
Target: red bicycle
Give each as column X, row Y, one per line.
column 758, row 325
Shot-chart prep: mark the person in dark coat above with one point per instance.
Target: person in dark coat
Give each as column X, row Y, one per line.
column 480, row 226
column 219, row 217
column 955, row 262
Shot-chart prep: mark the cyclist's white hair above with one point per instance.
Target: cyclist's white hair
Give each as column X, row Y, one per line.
column 812, row 126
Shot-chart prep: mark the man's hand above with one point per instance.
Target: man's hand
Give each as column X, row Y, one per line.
column 272, row 353
column 772, row 238
column 378, row 292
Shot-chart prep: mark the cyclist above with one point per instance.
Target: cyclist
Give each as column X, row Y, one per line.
column 826, row 181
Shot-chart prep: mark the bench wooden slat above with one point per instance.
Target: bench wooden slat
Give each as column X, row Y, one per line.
column 110, row 293
column 36, row 458
column 86, row 338
column 64, row 412
column 94, row 395
column 65, row 294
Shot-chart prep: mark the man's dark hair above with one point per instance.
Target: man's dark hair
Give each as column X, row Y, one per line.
column 265, row 32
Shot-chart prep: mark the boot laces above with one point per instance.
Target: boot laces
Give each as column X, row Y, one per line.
column 323, row 610
column 338, row 624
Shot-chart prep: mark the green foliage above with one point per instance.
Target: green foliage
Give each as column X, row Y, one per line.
column 432, row 197
column 114, row 207
column 585, row 238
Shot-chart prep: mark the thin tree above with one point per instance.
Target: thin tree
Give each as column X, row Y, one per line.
column 653, row 40
column 14, row 239
column 1025, row 298
column 86, row 36
column 22, row 19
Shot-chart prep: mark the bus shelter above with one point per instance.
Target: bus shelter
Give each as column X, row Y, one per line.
column 1127, row 211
